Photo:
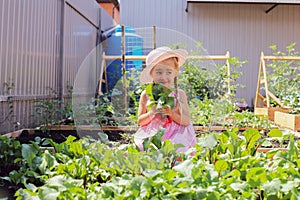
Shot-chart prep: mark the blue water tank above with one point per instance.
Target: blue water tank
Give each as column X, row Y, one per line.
column 133, row 46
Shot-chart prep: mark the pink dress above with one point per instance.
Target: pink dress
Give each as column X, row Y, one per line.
column 174, row 132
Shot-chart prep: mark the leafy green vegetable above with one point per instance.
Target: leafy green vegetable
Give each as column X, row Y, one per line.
column 155, row 141
column 225, row 165
column 159, row 95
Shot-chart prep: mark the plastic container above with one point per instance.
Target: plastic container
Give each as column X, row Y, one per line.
column 133, row 46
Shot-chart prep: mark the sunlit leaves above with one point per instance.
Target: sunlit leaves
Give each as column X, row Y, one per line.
column 159, row 95
column 223, row 166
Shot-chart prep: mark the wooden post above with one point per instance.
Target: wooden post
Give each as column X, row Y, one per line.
column 263, row 72
column 124, row 69
column 228, row 72
column 258, row 96
column 102, row 75
column 265, row 81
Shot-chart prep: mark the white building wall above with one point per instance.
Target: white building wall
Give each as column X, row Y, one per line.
column 242, row 29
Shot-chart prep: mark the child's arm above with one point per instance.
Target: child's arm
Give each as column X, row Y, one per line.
column 144, row 116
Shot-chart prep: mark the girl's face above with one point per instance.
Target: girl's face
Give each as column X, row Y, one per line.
column 165, row 72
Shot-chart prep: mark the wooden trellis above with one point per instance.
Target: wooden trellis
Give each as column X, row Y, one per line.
column 262, row 101
column 217, row 57
column 123, row 58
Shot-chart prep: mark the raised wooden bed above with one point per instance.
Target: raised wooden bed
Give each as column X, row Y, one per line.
column 287, row 120
column 270, row 112
column 266, row 150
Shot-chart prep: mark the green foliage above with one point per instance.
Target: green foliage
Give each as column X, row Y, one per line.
column 210, row 97
column 246, row 119
column 224, row 112
column 210, row 112
column 284, row 77
column 295, row 111
column 155, row 142
column 51, row 111
column 159, row 96
column 9, row 151
column 48, row 112
column 10, row 116
column 104, row 111
column 98, row 112
column 203, row 79
column 224, row 165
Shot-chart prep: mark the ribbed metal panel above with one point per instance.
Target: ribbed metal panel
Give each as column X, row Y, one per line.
column 80, row 40
column 28, row 50
column 242, row 29
column 40, row 56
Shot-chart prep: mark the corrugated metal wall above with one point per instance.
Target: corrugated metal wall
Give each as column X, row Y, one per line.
column 242, row 29
column 42, row 45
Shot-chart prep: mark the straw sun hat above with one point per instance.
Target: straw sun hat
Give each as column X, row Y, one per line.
column 158, row 55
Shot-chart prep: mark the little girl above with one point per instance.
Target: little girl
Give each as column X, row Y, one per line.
column 162, row 66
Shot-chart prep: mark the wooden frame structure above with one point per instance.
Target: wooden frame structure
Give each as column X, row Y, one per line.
column 123, row 58
column 262, row 103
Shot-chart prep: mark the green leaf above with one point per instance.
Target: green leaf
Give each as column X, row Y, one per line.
column 252, row 136
column 148, row 90
column 47, row 161
column 146, row 144
column 272, row 187
column 168, row 147
column 48, row 193
column 28, row 153
column 152, row 173
column 275, row 133
column 209, row 141
column 185, row 167
column 26, row 194
column 169, row 174
column 103, row 137
column 234, row 173
column 266, row 143
column 138, row 187
column 239, row 186
column 64, row 182
column 213, row 196
column 221, row 166
column 158, row 94
column 170, row 102
column 256, row 176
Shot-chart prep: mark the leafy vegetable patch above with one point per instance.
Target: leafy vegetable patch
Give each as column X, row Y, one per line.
column 223, row 165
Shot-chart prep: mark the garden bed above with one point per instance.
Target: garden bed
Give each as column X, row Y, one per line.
column 270, row 112
column 210, row 145
column 291, row 121
column 60, row 133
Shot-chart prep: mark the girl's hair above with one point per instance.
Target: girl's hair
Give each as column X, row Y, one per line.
column 175, row 79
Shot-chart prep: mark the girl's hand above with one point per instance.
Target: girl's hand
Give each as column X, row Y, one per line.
column 167, row 111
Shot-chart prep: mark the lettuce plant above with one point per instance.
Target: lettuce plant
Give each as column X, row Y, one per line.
column 159, row 95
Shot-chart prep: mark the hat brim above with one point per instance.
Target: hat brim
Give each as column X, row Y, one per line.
column 180, row 54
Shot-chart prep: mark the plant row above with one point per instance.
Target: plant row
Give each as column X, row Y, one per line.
column 222, row 165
